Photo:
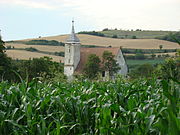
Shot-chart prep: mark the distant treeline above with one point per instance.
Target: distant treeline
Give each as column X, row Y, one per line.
column 90, row 46
column 173, row 37
column 147, row 51
column 92, row 33
column 39, row 42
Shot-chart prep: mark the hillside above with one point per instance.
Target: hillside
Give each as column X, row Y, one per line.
column 85, row 40
column 144, row 34
column 25, row 55
column 125, row 43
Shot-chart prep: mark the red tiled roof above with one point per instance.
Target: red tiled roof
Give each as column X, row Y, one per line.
column 85, row 52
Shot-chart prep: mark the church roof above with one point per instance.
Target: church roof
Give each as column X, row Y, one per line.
column 85, row 52
column 72, row 37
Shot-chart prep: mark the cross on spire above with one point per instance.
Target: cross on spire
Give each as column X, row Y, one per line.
column 73, row 31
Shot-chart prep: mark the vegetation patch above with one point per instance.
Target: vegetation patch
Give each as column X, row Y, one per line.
column 90, row 46
column 31, row 49
column 129, row 34
column 39, row 42
column 147, row 51
column 83, row 107
column 92, row 33
column 173, row 37
column 140, row 62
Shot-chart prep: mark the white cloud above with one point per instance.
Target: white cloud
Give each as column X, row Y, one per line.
column 147, row 14
column 29, row 3
column 114, row 13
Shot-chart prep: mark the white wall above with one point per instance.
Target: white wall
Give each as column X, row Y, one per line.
column 122, row 63
column 76, row 55
column 72, row 58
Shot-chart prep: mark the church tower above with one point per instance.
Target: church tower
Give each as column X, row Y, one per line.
column 72, row 53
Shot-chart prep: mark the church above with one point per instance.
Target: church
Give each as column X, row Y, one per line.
column 76, row 57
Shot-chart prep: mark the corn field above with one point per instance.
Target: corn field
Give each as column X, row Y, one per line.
column 141, row 107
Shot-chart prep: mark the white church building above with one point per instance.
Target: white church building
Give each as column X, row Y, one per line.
column 76, row 57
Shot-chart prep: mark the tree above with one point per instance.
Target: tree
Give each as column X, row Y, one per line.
column 39, row 67
column 145, row 70
column 160, row 47
column 105, row 29
column 134, row 37
column 153, row 55
column 1, row 45
column 170, row 69
column 6, row 66
column 140, row 56
column 92, row 66
column 109, row 63
column 114, row 36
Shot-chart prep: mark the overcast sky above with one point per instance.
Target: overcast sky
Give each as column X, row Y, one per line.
column 32, row 18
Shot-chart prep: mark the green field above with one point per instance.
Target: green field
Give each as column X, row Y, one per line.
column 140, row 62
column 143, row 107
column 139, row 34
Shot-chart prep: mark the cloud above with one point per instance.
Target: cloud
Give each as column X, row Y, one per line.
column 148, row 14
column 113, row 13
column 30, row 3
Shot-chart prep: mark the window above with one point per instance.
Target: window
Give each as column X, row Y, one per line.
column 69, row 60
column 69, row 50
column 103, row 73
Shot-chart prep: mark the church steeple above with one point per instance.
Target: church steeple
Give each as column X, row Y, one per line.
column 73, row 38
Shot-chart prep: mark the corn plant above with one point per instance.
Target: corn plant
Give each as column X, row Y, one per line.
column 122, row 107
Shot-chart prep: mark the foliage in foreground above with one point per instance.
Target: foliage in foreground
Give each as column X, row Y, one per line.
column 106, row 108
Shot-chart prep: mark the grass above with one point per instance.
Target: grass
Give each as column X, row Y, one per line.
column 125, row 43
column 142, row 107
column 26, row 55
column 86, row 40
column 38, row 42
column 44, row 48
column 140, row 62
column 139, row 34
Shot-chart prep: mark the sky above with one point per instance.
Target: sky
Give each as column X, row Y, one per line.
column 20, row 19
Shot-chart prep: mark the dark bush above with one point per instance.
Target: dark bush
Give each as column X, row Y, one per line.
column 31, row 49
column 92, row 33
column 114, row 36
column 44, row 42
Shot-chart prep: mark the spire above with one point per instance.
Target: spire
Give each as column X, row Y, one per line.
column 73, row 38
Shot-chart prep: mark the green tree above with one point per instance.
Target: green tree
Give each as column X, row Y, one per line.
column 114, row 36
column 170, row 69
column 134, row 37
column 153, row 55
column 92, row 66
column 145, row 70
column 6, row 66
column 140, row 56
column 43, row 67
column 109, row 63
column 160, row 47
column 1, row 45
